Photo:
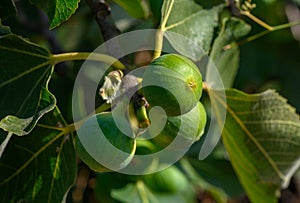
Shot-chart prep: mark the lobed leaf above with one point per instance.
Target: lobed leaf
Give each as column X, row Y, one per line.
column 193, row 21
column 58, row 11
column 45, row 165
column 25, row 72
column 262, row 137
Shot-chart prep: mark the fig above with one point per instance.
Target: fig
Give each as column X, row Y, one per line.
column 170, row 180
column 111, row 146
column 172, row 82
column 192, row 126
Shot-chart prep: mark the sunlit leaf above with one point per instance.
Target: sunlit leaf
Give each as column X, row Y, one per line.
column 58, row 11
column 191, row 20
column 39, row 167
column 262, row 137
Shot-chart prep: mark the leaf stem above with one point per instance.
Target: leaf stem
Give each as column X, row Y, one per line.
column 166, row 17
column 158, row 44
column 257, row 20
column 142, row 192
column 258, row 35
column 57, row 58
column 5, row 142
column 75, row 126
column 50, row 127
column 161, row 30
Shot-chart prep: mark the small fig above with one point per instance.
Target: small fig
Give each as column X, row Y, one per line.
column 190, row 126
column 170, row 180
column 110, row 146
column 174, row 83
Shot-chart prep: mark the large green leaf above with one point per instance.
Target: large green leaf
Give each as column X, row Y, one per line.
column 58, row 11
column 191, row 20
column 39, row 167
column 25, row 71
column 227, row 60
column 262, row 137
column 7, row 8
column 136, row 8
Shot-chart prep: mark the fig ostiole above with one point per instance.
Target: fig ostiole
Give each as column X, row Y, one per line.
column 174, row 83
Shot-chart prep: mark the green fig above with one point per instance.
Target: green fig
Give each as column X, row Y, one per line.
column 172, row 82
column 170, row 180
column 111, row 146
column 192, row 126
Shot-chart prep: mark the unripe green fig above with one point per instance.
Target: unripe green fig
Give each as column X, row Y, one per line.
column 190, row 126
column 170, row 180
column 110, row 146
column 174, row 83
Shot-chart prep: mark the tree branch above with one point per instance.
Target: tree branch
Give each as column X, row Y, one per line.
column 101, row 10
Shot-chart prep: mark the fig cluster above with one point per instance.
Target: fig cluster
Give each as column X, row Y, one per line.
column 172, row 82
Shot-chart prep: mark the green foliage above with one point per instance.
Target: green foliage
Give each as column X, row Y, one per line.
column 140, row 192
column 57, row 11
column 227, row 61
column 217, row 193
column 261, row 136
column 41, row 161
column 192, row 21
column 258, row 135
column 24, row 97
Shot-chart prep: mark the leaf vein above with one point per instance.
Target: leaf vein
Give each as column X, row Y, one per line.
column 255, row 141
column 32, row 158
column 25, row 73
column 24, row 52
